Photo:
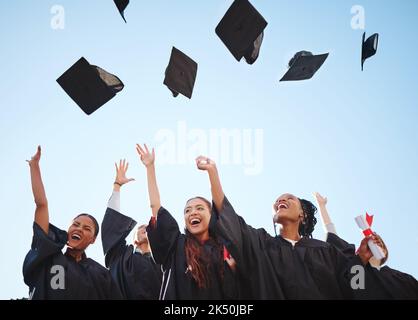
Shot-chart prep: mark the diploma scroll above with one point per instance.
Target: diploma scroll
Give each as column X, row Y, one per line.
column 365, row 223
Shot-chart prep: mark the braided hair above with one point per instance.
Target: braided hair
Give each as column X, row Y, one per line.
column 308, row 223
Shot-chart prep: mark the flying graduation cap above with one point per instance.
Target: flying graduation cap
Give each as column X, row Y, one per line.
column 242, row 30
column 180, row 74
column 121, row 5
column 303, row 66
column 369, row 47
column 89, row 86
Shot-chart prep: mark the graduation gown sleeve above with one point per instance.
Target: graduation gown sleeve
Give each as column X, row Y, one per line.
column 348, row 249
column 402, row 286
column 344, row 264
column 163, row 234
column 43, row 247
column 240, row 238
column 137, row 275
column 115, row 229
column 386, row 283
column 85, row 279
column 247, row 245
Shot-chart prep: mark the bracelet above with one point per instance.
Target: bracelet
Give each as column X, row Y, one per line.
column 119, row 184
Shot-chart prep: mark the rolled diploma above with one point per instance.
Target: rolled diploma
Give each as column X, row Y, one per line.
column 375, row 249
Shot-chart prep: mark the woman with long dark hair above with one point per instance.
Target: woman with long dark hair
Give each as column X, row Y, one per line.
column 196, row 264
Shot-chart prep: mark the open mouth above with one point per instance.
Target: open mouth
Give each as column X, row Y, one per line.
column 76, row 237
column 282, row 206
column 195, row 221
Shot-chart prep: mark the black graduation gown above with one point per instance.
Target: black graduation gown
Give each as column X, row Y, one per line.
column 137, row 275
column 85, row 279
column 312, row 269
column 168, row 247
column 386, row 283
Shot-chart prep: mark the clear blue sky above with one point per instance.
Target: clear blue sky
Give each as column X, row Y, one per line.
column 348, row 134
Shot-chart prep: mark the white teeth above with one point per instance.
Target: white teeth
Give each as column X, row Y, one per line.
column 195, row 221
column 76, row 237
column 282, row 206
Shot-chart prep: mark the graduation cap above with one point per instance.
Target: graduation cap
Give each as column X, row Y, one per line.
column 242, row 30
column 89, row 86
column 369, row 47
column 303, row 66
column 121, row 5
column 180, row 74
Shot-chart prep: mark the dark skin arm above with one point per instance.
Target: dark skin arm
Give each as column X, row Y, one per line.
column 364, row 251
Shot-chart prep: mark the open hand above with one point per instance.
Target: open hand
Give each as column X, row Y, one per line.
column 121, row 172
column 322, row 201
column 147, row 158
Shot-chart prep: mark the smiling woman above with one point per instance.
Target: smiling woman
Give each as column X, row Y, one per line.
column 291, row 265
column 294, row 214
column 82, row 232
column 194, row 264
column 197, row 216
column 48, row 272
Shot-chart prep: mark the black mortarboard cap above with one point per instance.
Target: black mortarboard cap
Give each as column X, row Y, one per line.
column 303, row 66
column 89, row 86
column 369, row 47
column 121, row 5
column 241, row 30
column 180, row 74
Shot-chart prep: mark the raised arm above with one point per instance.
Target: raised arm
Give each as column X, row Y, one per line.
column 120, row 180
column 326, row 219
column 115, row 225
column 41, row 211
column 206, row 164
column 148, row 160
